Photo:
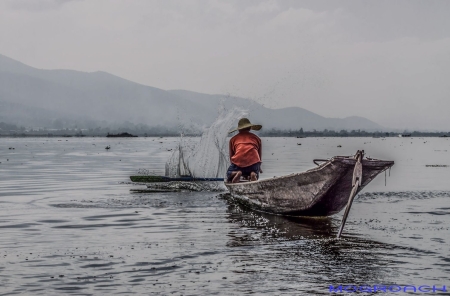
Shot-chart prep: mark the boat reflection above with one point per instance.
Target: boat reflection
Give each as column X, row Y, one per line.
column 308, row 248
column 272, row 226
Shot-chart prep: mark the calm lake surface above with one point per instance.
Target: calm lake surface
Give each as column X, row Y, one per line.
column 70, row 225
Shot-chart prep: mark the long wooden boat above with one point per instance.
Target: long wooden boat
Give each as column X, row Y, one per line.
column 321, row 191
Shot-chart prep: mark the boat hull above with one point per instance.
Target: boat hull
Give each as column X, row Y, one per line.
column 321, row 191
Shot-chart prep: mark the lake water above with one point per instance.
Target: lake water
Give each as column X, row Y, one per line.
column 70, row 225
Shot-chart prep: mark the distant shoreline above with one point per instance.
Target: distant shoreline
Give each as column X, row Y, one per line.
column 422, row 135
column 10, row 130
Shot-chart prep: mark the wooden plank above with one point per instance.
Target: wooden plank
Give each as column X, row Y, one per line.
column 157, row 179
column 143, row 190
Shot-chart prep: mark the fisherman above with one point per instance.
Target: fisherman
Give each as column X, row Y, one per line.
column 245, row 153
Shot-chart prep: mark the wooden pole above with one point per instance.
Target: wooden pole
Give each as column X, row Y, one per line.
column 356, row 182
column 347, row 209
column 158, row 179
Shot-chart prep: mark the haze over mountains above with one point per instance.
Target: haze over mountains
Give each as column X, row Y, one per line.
column 64, row 98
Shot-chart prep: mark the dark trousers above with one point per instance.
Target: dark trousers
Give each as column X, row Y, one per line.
column 246, row 171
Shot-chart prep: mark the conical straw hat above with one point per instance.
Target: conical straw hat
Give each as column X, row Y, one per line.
column 245, row 123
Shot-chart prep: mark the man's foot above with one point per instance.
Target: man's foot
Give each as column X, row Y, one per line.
column 237, row 177
column 253, row 176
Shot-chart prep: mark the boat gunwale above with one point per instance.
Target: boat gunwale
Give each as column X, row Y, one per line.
column 347, row 160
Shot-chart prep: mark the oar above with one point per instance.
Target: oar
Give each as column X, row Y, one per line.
column 356, row 182
column 156, row 179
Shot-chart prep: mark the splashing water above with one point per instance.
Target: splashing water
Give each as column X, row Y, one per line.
column 207, row 158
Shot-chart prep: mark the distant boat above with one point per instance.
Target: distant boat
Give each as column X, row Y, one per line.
column 122, row 135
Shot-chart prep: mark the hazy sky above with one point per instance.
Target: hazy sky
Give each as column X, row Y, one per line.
column 388, row 61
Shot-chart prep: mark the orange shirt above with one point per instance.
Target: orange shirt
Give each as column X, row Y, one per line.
column 245, row 149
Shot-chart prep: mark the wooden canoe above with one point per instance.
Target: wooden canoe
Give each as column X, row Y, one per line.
column 321, row 191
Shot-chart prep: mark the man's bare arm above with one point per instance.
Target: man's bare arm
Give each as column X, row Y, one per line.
column 260, row 154
column 231, row 152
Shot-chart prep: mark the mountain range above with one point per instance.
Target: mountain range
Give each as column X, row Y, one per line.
column 66, row 98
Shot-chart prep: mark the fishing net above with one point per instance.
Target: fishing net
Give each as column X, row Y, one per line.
column 208, row 156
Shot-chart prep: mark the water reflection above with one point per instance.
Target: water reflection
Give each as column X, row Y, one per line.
column 305, row 249
column 287, row 228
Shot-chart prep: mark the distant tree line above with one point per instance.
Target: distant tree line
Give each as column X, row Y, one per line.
column 344, row 133
column 12, row 130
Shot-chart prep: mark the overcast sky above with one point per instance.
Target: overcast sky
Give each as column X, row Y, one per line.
column 388, row 61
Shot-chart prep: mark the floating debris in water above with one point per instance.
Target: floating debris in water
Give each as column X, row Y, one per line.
column 403, row 195
column 146, row 172
column 188, row 186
